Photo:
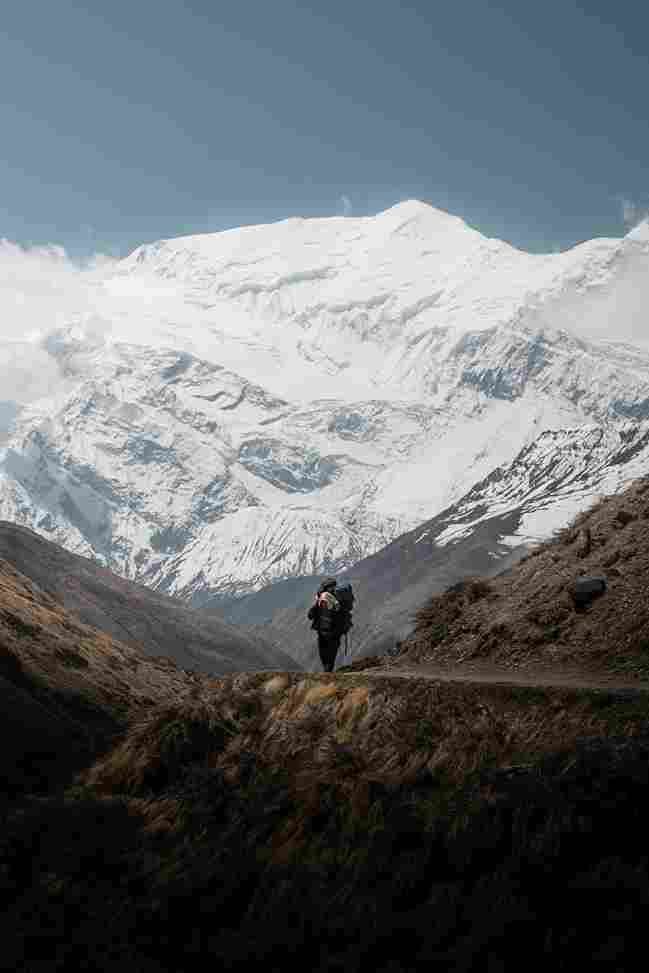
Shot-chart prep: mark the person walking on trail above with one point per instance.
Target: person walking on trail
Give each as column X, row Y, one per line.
column 325, row 616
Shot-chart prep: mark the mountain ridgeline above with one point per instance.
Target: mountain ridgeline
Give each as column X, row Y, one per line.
column 157, row 625
column 280, row 402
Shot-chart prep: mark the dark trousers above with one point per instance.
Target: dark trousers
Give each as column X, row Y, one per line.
column 328, row 646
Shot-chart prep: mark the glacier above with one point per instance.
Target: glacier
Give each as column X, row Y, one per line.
column 238, row 408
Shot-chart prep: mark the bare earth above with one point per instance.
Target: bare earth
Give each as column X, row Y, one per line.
column 492, row 675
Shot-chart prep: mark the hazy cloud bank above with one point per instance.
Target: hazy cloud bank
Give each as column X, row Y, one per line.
column 41, row 292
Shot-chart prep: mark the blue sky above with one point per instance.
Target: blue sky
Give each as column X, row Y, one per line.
column 122, row 122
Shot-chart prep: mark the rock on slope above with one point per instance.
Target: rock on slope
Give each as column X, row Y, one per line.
column 154, row 623
column 525, row 618
column 271, row 402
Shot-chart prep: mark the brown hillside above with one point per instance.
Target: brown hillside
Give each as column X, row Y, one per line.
column 525, row 619
column 154, row 623
column 66, row 688
column 362, row 822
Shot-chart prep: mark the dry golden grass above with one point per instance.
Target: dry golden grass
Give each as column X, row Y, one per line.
column 277, row 684
column 352, row 704
column 160, row 817
column 343, row 734
column 317, row 694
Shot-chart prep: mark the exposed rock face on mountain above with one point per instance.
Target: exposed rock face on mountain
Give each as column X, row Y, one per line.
column 553, row 477
column 389, row 587
column 282, row 401
column 155, row 624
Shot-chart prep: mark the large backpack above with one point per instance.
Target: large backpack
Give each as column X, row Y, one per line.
column 344, row 593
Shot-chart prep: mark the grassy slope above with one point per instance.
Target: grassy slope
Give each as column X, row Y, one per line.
column 355, row 821
column 525, row 619
column 363, row 824
column 134, row 614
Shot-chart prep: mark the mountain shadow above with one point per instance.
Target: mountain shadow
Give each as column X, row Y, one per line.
column 157, row 624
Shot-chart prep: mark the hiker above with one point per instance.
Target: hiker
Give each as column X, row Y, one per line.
column 330, row 617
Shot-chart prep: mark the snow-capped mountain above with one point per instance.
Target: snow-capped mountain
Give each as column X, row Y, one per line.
column 481, row 534
column 281, row 400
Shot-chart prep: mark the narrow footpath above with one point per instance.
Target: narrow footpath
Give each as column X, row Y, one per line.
column 491, row 675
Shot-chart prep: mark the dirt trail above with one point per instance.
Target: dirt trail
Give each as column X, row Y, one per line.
column 492, row 675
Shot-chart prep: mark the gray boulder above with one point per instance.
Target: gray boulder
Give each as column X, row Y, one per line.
column 584, row 590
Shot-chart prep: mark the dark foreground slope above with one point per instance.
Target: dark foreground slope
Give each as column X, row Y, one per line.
column 372, row 822
column 132, row 613
column 354, row 822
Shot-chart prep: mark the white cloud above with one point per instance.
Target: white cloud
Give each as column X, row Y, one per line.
column 44, row 293
column 41, row 291
column 632, row 211
column 345, row 205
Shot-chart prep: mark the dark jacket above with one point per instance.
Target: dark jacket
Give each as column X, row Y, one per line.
column 324, row 614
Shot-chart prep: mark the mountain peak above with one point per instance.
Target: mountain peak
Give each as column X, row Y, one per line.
column 415, row 213
column 285, row 399
column 412, row 207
